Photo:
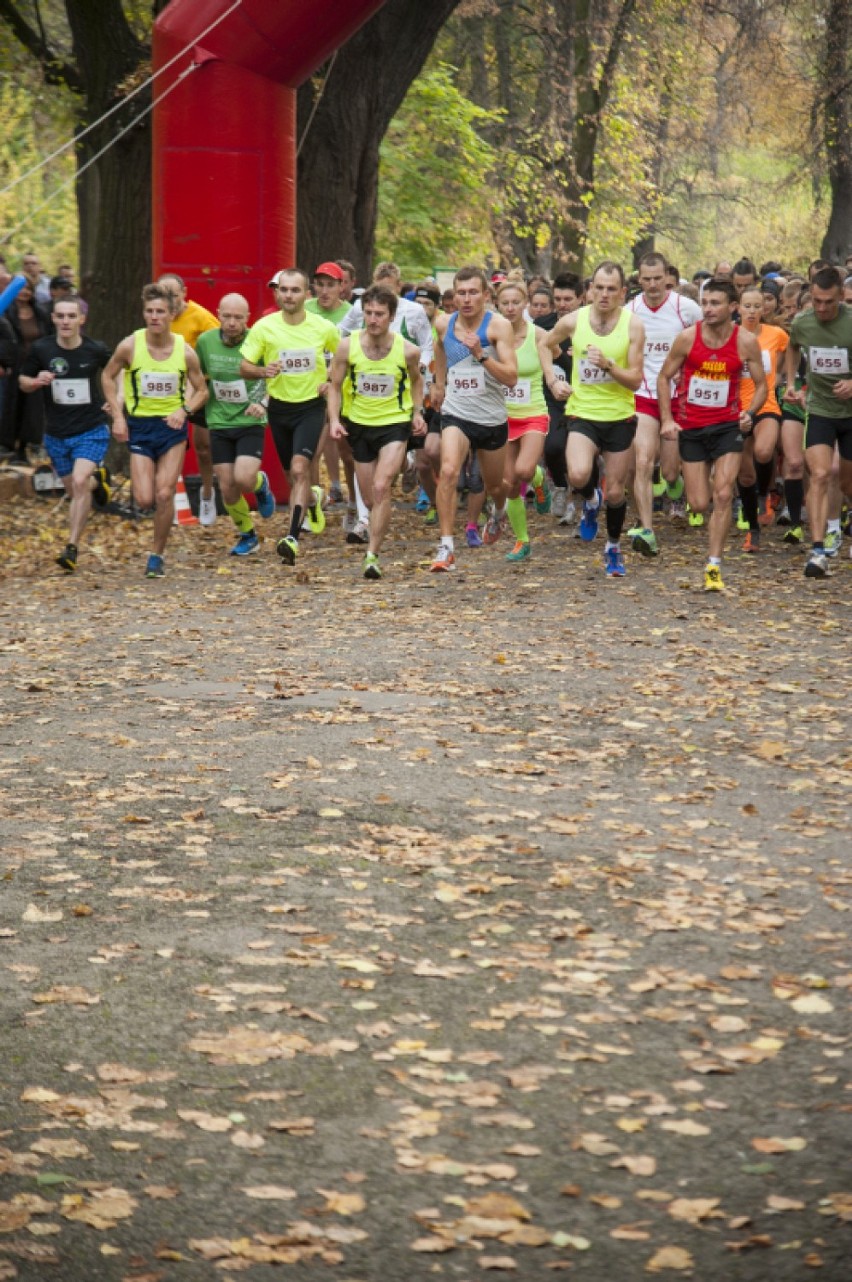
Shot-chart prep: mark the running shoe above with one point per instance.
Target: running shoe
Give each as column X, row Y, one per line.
column 769, row 507
column 589, row 519
column 741, row 519
column 658, row 488
column 288, row 548
column 793, row 536
column 783, row 517
column 102, row 492
column 713, row 578
column 677, row 510
column 431, row 516
column 350, row 520
column 335, row 497
column 316, row 517
column 264, row 498
column 559, row 502
column 833, row 539
column 370, row 566
column 696, row 519
column 207, row 510
column 247, row 543
column 635, row 531
column 569, row 515
column 473, row 537
column 68, row 559
column 752, row 542
column 359, row 533
column 817, row 566
column 423, row 504
column 542, row 497
column 156, row 567
column 409, row 474
column 520, row 552
column 494, row 526
column 645, row 541
column 614, row 563
column 444, row 560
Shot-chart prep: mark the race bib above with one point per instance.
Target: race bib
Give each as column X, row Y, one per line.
column 559, row 373
column 767, row 361
column 828, row 360
column 234, row 392
column 708, row 391
column 591, row 375
column 520, row 394
column 159, row 387
column 657, row 348
column 467, row 380
column 301, row 361
column 71, row 391
column 377, row 386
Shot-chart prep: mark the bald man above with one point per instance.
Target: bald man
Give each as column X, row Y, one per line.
column 236, row 417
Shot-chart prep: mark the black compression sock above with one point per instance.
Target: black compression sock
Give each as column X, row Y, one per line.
column 615, row 521
column 296, row 520
column 764, row 476
column 794, row 493
column 748, row 494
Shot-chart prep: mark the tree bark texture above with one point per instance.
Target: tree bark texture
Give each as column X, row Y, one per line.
column 837, row 114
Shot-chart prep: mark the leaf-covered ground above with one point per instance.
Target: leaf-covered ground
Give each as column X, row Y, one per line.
column 421, row 929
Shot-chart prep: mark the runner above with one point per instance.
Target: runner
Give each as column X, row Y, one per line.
column 474, row 360
column 759, row 447
column 289, row 348
column 711, row 423
column 191, row 320
column 328, row 302
column 157, row 366
column 236, row 419
column 824, row 335
column 383, row 408
column 528, row 419
column 567, row 291
column 77, row 434
column 608, row 341
column 744, row 275
column 664, row 314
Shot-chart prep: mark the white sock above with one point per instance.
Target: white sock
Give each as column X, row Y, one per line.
column 833, row 527
column 363, row 510
column 447, row 541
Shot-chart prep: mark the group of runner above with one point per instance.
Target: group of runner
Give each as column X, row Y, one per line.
column 585, row 387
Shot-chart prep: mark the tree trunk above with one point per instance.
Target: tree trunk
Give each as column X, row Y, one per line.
column 837, row 112
column 338, row 166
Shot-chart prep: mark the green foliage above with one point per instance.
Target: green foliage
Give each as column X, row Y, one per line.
column 435, row 192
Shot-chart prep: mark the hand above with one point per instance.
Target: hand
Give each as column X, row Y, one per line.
column 337, row 431
column 436, row 396
column 669, row 429
column 794, row 397
column 472, row 343
column 418, row 425
column 119, row 427
column 746, row 423
column 44, row 379
column 560, row 388
column 843, row 389
column 322, row 390
column 256, row 410
column 596, row 357
column 177, row 420
column 272, row 369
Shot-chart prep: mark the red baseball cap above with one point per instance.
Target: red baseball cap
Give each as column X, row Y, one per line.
column 329, row 269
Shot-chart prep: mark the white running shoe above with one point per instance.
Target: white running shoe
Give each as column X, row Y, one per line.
column 207, row 510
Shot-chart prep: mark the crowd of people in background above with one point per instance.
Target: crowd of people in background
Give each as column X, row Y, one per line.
column 724, row 396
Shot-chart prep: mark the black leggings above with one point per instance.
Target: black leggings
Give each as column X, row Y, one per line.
column 554, row 448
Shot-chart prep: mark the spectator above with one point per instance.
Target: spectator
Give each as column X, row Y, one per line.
column 23, row 416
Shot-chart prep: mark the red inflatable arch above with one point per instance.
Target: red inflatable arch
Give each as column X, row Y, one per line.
column 224, row 155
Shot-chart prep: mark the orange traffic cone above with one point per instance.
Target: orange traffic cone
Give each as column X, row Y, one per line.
column 183, row 512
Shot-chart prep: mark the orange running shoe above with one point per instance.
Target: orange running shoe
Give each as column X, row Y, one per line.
column 752, row 542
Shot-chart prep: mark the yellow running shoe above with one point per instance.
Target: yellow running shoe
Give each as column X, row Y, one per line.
column 316, row 516
column 713, row 579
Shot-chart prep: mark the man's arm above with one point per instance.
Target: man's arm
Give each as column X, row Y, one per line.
column 354, row 319
column 337, row 373
column 629, row 375
column 439, row 383
column 503, row 366
column 672, row 366
column 560, row 388
column 792, row 356
column 248, row 368
column 413, row 360
column 119, row 361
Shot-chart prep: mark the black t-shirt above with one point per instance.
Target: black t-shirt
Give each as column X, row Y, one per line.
column 563, row 360
column 73, row 401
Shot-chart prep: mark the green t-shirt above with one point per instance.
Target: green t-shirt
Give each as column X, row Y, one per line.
column 827, row 349
column 230, row 393
column 301, row 349
column 335, row 315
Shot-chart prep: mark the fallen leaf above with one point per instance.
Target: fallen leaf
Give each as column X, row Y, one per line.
column 497, row 1262
column 777, row 1203
column 432, row 1245
column 693, row 1209
column 270, row 1192
column 37, row 916
column 774, row 1144
column 669, row 1257
column 811, row 1004
column 343, row 1203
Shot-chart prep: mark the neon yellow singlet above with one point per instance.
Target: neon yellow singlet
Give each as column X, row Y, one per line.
column 153, row 389
column 526, row 398
column 597, row 397
column 379, row 391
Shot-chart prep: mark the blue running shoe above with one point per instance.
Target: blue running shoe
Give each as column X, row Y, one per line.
column 246, row 543
column 423, row 503
column 473, row 537
column 614, row 563
column 265, row 501
column 588, row 528
column 155, row 569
